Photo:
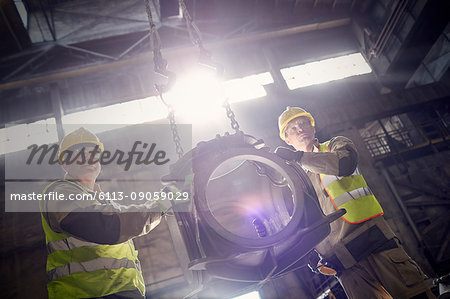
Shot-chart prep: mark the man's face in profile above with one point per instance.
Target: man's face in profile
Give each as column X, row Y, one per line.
column 82, row 162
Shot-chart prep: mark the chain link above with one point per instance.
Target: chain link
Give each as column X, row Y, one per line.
column 195, row 34
column 196, row 39
column 231, row 116
column 152, row 26
column 160, row 64
column 173, row 127
column 175, row 136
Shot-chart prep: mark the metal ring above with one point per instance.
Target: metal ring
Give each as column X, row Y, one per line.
column 294, row 178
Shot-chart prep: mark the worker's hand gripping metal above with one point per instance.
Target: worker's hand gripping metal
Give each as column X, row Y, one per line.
column 288, row 154
column 318, row 265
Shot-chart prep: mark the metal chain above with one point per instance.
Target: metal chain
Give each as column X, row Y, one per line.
column 231, row 116
column 194, row 34
column 152, row 26
column 160, row 63
column 197, row 38
column 173, row 127
column 160, row 66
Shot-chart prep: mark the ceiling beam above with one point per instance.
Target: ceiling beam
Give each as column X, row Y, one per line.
column 171, row 53
column 424, row 33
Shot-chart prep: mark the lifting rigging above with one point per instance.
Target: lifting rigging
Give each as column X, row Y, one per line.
column 236, row 252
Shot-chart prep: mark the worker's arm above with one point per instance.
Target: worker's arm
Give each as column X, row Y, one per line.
column 341, row 160
column 101, row 223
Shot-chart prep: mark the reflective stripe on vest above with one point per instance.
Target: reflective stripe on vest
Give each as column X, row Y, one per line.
column 89, row 266
column 79, row 269
column 351, row 193
column 65, row 244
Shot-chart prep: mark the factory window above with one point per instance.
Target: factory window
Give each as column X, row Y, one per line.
column 251, row 295
column 23, row 13
column 325, row 71
column 15, row 138
column 119, row 115
column 191, row 96
column 247, row 88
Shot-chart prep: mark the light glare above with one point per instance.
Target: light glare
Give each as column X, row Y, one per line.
column 196, row 95
column 199, row 95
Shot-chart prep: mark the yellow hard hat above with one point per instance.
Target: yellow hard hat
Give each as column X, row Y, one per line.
column 289, row 114
column 78, row 137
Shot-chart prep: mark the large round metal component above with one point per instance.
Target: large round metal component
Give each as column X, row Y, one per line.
column 252, row 215
column 251, row 202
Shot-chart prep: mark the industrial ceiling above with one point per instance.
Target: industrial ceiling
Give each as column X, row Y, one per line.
column 76, row 43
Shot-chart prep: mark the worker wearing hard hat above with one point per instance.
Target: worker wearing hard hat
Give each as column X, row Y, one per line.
column 90, row 249
column 361, row 249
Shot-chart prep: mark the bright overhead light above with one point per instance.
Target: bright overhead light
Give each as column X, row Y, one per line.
column 196, row 95
column 325, row 70
column 199, row 95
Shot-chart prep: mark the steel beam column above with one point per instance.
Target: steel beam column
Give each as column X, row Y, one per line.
column 57, row 109
column 275, row 70
column 402, row 205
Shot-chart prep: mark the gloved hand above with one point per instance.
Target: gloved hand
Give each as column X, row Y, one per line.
column 326, row 269
column 288, row 154
column 313, row 258
column 317, row 265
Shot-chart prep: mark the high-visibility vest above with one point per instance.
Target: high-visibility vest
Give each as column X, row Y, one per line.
column 351, row 193
column 80, row 269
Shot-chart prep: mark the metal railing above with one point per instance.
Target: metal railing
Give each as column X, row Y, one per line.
column 407, row 138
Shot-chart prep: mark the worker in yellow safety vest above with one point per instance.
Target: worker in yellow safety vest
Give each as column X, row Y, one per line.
column 361, row 250
column 90, row 249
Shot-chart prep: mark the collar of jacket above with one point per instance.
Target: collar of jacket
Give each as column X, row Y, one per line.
column 70, row 178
